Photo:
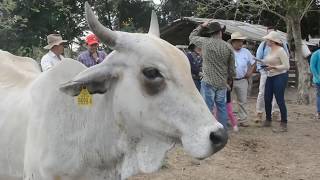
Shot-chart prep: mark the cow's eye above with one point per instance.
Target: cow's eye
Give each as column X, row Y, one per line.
column 151, row 73
column 152, row 81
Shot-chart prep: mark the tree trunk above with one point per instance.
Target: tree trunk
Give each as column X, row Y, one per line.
column 301, row 62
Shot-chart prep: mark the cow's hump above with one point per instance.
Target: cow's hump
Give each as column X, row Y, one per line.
column 16, row 71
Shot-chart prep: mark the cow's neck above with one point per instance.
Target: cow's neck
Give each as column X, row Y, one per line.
column 146, row 155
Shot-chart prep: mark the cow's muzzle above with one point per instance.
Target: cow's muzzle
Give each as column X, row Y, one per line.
column 218, row 139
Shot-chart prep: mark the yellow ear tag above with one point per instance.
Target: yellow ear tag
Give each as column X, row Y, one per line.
column 84, row 98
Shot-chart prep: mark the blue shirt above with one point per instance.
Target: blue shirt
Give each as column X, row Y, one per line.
column 315, row 66
column 243, row 60
column 86, row 58
column 263, row 50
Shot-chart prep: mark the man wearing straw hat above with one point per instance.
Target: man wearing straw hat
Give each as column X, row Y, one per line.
column 245, row 64
column 56, row 48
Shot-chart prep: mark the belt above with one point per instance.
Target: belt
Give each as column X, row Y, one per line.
column 238, row 79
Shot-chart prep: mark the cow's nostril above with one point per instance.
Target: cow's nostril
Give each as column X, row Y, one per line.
column 219, row 139
column 215, row 139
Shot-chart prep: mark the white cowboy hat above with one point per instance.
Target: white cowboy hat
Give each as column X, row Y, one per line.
column 53, row 40
column 273, row 36
column 237, row 36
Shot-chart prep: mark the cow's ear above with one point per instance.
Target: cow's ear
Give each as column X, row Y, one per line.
column 96, row 79
column 151, row 152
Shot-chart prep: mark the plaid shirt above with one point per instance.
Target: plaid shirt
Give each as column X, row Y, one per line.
column 86, row 58
column 218, row 59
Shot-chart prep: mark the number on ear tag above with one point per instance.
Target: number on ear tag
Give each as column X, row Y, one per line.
column 84, row 98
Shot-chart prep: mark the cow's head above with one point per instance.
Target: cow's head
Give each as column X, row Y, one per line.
column 152, row 89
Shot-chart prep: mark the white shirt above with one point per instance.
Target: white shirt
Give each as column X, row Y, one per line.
column 280, row 60
column 243, row 59
column 305, row 50
column 49, row 60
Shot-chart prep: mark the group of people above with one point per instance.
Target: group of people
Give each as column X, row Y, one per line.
column 90, row 57
column 219, row 67
column 228, row 65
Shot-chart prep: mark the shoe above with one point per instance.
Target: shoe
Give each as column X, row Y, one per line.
column 235, row 128
column 266, row 123
column 258, row 118
column 243, row 124
column 317, row 116
column 282, row 128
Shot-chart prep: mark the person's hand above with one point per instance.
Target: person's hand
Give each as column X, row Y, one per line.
column 205, row 24
column 201, row 74
column 270, row 67
column 247, row 76
column 95, row 56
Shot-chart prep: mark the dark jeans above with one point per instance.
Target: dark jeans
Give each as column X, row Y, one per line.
column 318, row 97
column 276, row 86
column 197, row 82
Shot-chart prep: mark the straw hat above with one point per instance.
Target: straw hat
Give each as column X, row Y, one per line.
column 237, row 36
column 273, row 36
column 53, row 40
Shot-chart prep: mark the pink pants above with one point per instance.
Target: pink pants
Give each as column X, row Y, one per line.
column 232, row 118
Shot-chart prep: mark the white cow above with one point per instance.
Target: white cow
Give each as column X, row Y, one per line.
column 144, row 101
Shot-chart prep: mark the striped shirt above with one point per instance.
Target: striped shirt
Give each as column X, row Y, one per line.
column 218, row 59
column 86, row 58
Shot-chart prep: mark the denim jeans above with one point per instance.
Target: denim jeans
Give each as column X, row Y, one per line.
column 215, row 96
column 260, row 107
column 197, row 83
column 318, row 97
column 276, row 86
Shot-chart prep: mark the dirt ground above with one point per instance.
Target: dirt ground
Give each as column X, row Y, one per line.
column 255, row 153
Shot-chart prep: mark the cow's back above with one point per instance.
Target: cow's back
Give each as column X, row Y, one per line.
column 62, row 131
column 16, row 74
column 19, row 100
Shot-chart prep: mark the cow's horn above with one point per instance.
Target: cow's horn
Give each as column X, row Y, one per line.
column 154, row 25
column 104, row 34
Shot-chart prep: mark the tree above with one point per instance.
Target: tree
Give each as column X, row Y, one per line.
column 291, row 12
column 171, row 10
column 24, row 24
column 135, row 14
column 29, row 22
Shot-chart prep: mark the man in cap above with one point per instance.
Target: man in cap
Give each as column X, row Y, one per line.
column 91, row 56
column 218, row 66
column 56, row 49
column 245, row 65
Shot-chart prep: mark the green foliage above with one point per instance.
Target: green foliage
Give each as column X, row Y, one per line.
column 24, row 24
column 32, row 21
column 171, row 10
